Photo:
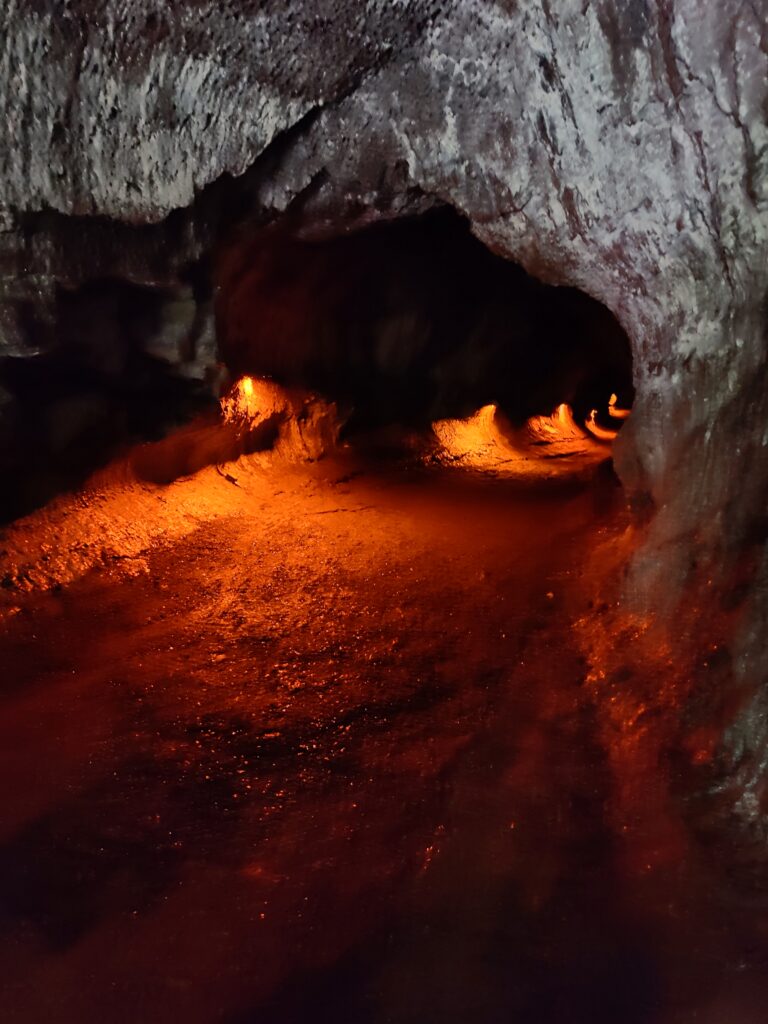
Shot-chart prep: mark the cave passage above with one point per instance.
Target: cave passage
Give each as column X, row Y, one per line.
column 292, row 733
column 401, row 325
column 323, row 747
column 413, row 322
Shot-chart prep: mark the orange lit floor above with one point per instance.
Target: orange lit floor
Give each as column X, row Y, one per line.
column 328, row 756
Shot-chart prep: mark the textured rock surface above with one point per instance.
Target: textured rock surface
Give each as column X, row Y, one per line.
column 619, row 146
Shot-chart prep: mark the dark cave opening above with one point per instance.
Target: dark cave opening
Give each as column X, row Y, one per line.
column 116, row 364
column 343, row 678
column 412, row 321
column 399, row 324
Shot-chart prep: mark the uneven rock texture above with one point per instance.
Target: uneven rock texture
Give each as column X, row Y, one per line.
column 619, row 146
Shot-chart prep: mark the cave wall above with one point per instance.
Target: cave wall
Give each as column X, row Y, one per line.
column 619, row 146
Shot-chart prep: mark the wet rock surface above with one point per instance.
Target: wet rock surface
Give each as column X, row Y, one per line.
column 618, row 148
column 336, row 755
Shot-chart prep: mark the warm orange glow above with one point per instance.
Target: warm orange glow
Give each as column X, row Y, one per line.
column 597, row 431
column 546, row 445
column 248, row 401
column 477, row 435
column 558, row 426
column 614, row 411
column 161, row 491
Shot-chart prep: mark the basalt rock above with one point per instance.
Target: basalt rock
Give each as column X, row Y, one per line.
column 617, row 146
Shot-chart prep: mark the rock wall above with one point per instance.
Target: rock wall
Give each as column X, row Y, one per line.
column 619, row 146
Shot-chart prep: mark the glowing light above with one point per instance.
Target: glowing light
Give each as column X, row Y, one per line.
column 249, row 401
column 546, row 445
column 601, row 433
column 615, row 411
column 558, row 426
column 476, row 435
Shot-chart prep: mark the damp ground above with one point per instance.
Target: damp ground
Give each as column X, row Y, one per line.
column 328, row 753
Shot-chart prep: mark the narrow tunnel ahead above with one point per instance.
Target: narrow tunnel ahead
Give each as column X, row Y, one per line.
column 299, row 732
column 412, row 322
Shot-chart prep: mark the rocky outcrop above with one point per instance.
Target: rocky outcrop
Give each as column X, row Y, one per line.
column 618, row 146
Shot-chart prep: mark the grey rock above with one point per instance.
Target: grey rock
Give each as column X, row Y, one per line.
column 618, row 147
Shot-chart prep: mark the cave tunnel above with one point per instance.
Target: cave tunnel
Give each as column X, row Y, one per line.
column 414, row 321
column 400, row 325
column 358, row 572
column 383, row 576
column 373, row 563
column 328, row 619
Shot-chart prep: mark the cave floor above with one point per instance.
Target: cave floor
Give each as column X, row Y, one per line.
column 331, row 757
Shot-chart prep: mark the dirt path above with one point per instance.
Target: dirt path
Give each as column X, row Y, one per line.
column 331, row 758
